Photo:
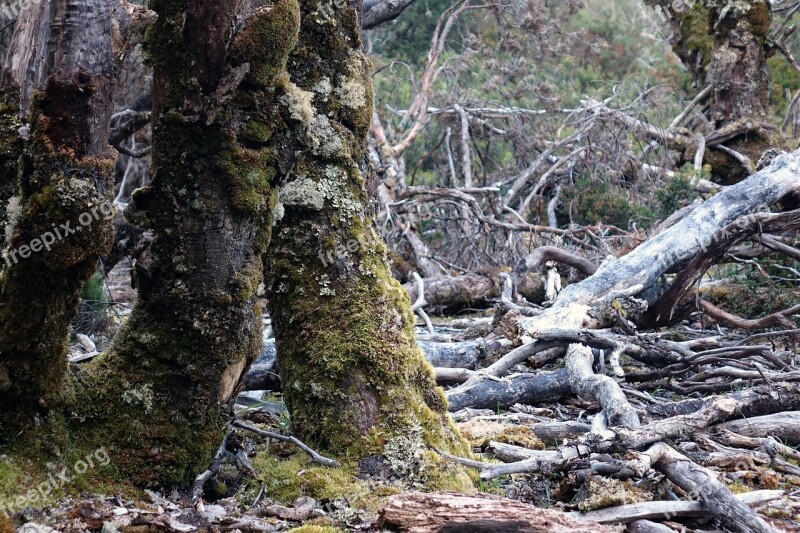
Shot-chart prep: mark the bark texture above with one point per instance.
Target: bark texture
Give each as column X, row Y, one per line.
column 724, row 43
column 428, row 513
column 354, row 378
column 54, row 193
column 157, row 399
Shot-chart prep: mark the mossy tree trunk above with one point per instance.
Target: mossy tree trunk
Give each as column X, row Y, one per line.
column 157, row 399
column 724, row 43
column 355, row 382
column 56, row 178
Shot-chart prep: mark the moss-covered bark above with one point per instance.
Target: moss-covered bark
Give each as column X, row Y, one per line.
column 54, row 187
column 724, row 43
column 354, row 380
column 157, row 399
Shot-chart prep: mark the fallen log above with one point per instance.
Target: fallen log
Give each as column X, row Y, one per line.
column 750, row 404
column 474, row 289
column 675, row 509
column 418, row 512
column 701, row 484
column 487, row 392
column 784, row 426
column 588, row 303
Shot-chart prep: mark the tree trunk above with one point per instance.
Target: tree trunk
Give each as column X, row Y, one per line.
column 55, row 198
column 196, row 326
column 724, row 43
column 354, row 378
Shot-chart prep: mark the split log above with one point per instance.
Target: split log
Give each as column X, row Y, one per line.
column 487, row 392
column 417, row 512
column 702, row 484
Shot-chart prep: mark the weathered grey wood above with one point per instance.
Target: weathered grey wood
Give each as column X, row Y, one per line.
column 663, row 509
column 641, row 268
column 749, row 404
column 492, row 393
column 784, row 425
column 702, row 484
column 646, row 526
column 509, row 453
column 555, row 432
column 452, row 375
column 377, row 12
column 465, row 354
column 605, row 390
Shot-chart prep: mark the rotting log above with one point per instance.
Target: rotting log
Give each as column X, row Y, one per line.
column 418, row 512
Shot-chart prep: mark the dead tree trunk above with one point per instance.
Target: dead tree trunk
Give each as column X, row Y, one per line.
column 623, row 289
column 354, row 378
column 157, row 398
column 590, row 303
column 57, row 214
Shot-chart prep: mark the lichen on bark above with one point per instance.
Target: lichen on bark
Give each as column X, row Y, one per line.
column 355, row 382
column 158, row 398
column 57, row 172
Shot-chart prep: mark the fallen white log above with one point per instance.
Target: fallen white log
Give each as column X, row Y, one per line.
column 630, row 275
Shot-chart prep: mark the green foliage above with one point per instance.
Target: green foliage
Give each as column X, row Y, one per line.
column 597, row 202
column 784, row 78
column 679, row 190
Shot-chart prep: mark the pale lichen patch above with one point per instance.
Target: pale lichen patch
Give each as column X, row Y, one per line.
column 324, row 139
column 13, row 212
column 299, row 103
column 351, row 93
column 141, row 394
column 306, row 192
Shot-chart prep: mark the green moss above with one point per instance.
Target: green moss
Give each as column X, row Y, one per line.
column 287, row 479
column 601, row 492
column 267, row 39
column 696, row 33
column 760, row 18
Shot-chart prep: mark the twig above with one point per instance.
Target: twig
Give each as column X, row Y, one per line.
column 315, row 457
